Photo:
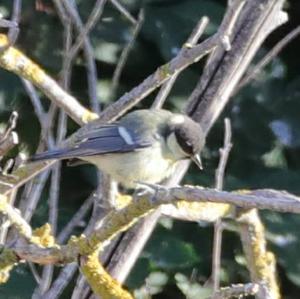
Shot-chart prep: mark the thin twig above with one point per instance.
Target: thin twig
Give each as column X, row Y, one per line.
column 14, row 216
column 192, row 40
column 216, row 255
column 123, row 11
column 61, row 281
column 268, row 58
column 14, row 31
column 54, row 195
column 70, row 7
column 11, row 125
column 76, row 219
column 236, row 291
column 224, row 154
column 84, row 31
column 35, row 273
column 218, row 226
column 39, row 111
column 5, row 223
column 98, row 213
column 13, row 26
column 30, row 200
column 9, row 138
column 67, row 273
column 45, row 282
column 56, row 171
column 125, row 53
column 81, row 289
column 66, row 71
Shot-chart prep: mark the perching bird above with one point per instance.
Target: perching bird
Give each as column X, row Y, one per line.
column 143, row 146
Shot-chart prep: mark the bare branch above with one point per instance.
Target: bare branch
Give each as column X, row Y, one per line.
column 9, row 138
column 207, row 102
column 268, row 57
column 76, row 219
column 236, row 291
column 84, row 31
column 5, row 223
column 13, row 25
column 61, row 281
column 15, row 218
column 118, row 221
column 185, row 58
column 16, row 62
column 100, row 281
column 218, row 226
column 88, row 51
column 123, row 11
column 224, row 154
column 30, row 200
column 125, row 53
column 260, row 262
column 39, row 111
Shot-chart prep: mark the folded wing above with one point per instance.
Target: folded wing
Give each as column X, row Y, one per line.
column 111, row 138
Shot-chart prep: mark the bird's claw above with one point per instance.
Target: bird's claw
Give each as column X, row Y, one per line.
column 149, row 189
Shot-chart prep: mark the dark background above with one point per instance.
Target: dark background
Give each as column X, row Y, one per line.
column 266, row 137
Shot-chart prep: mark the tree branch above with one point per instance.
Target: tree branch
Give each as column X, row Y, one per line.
column 15, row 61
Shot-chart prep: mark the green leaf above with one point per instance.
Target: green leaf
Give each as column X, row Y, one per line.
column 168, row 252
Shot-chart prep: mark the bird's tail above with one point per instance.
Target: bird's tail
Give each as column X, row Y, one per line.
column 49, row 155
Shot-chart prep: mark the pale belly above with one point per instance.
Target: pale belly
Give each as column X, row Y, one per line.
column 134, row 167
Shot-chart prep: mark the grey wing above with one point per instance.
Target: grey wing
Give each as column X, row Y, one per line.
column 111, row 138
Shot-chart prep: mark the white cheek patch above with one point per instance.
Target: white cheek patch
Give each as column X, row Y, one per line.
column 125, row 135
column 174, row 147
column 178, row 119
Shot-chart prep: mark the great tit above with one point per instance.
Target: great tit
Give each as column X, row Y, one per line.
column 143, row 146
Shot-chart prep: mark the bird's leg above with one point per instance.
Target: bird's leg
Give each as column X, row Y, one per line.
column 118, row 199
column 146, row 189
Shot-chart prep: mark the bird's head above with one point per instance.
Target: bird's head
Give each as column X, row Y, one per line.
column 186, row 139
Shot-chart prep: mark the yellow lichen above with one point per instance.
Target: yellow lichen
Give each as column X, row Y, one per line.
column 100, row 281
column 82, row 245
column 3, row 202
column 7, row 261
column 206, row 211
column 89, row 116
column 3, row 40
column 119, row 221
column 122, row 200
column 43, row 236
column 164, row 71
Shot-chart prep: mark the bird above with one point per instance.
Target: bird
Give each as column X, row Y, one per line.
column 142, row 146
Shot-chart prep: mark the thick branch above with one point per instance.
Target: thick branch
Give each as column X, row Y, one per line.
column 226, row 67
column 15, row 61
column 100, row 281
column 118, row 221
column 261, row 262
column 185, row 58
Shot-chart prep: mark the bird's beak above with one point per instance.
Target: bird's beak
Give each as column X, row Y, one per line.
column 197, row 160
